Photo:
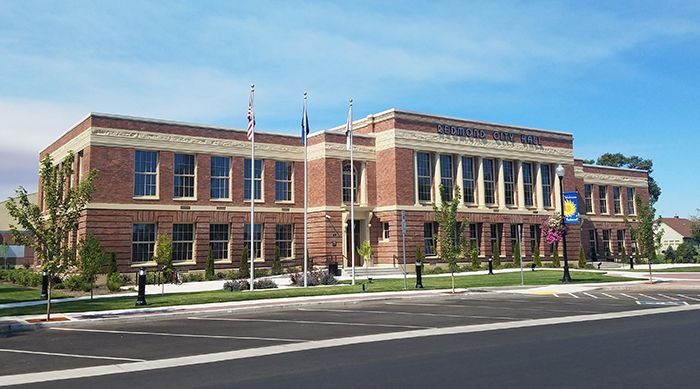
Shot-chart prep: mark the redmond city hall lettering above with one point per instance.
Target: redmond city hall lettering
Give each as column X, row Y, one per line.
column 470, row 132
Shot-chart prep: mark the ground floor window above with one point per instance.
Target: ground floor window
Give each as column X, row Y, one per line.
column 257, row 239
column 620, row 240
column 218, row 240
column 429, row 239
column 496, row 230
column 593, row 244
column 606, row 243
column 183, row 240
column 385, row 230
column 515, row 230
column 535, row 232
column 143, row 240
column 475, row 236
column 283, row 239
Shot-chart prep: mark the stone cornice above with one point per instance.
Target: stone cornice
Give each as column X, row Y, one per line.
column 609, row 179
column 338, row 151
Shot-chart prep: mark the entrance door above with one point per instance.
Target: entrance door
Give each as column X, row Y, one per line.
column 348, row 240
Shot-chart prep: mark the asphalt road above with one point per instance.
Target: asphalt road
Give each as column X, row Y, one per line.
column 476, row 340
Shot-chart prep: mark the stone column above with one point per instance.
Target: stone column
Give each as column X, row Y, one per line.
column 521, row 187
column 415, row 177
column 458, row 180
column 436, row 180
column 480, row 183
column 500, row 185
column 538, row 187
column 557, row 194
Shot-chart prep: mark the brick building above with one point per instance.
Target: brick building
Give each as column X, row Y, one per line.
column 192, row 182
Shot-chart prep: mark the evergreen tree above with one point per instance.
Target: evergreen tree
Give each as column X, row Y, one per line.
column 276, row 262
column 623, row 255
column 244, row 266
column 476, row 262
column 496, row 256
column 581, row 258
column 112, row 269
column 536, row 255
column 516, row 255
column 670, row 255
column 209, row 266
column 555, row 255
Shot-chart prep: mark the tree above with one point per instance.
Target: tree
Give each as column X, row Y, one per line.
column 450, row 232
column 686, row 252
column 536, row 254
column 555, row 255
column 3, row 252
column 276, row 262
column 420, row 255
column 365, row 252
column 244, row 266
column 92, row 259
column 49, row 228
column 496, row 253
column 112, row 269
column 581, row 257
column 474, row 253
column 670, row 255
column 633, row 162
column 209, row 266
column 623, row 254
column 646, row 232
column 516, row 255
column 695, row 228
column 164, row 258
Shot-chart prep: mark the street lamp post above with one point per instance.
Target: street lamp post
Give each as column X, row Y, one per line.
column 560, row 174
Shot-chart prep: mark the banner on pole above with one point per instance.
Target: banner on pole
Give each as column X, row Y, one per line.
column 571, row 215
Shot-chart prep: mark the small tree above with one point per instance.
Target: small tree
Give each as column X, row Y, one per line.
column 92, row 259
column 581, row 257
column 276, row 262
column 670, row 255
column 516, row 255
column 496, row 256
column 244, row 266
column 164, row 258
column 365, row 252
column 112, row 269
column 686, row 252
column 637, row 256
column 450, row 232
column 623, row 255
column 474, row 253
column 555, row 255
column 420, row 255
column 3, row 252
column 536, row 254
column 49, row 226
column 209, row 266
column 646, row 231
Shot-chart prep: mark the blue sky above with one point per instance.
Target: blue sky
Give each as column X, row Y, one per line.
column 621, row 76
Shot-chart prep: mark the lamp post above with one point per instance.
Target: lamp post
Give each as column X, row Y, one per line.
column 560, row 174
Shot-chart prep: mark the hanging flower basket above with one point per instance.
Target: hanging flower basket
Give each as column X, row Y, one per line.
column 554, row 229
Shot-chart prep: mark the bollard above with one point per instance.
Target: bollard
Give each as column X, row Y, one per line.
column 631, row 262
column 419, row 271
column 141, row 297
column 491, row 266
column 45, row 285
column 533, row 266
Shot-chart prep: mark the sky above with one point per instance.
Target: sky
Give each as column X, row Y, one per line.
column 621, row 76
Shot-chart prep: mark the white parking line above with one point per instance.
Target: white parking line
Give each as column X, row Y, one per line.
column 489, row 307
column 179, row 335
column 611, row 296
column 411, row 313
column 689, row 298
column 5, row 350
column 193, row 360
column 555, row 295
column 332, row 323
column 649, row 297
column 591, row 295
column 668, row 297
column 628, row 296
column 573, row 295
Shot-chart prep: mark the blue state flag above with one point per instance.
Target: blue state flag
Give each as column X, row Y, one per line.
column 571, row 208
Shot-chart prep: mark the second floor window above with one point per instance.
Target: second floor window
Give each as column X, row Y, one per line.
column 145, row 173
column 349, row 184
column 603, row 198
column 617, row 207
column 257, row 181
column 446, row 176
column 468, row 179
column 425, row 180
column 220, row 172
column 528, row 184
column 489, row 182
column 283, row 181
column 588, row 196
column 546, row 171
column 630, row 201
column 183, row 175
column 509, row 182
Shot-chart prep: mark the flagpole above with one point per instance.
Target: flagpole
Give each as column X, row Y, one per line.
column 252, row 191
column 352, row 198
column 306, row 187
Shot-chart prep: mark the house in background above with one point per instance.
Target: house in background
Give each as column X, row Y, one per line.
column 17, row 255
column 676, row 230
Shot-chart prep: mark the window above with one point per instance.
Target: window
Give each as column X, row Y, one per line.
column 475, row 236
column 183, row 239
column 546, row 172
column 257, row 239
column 468, row 179
column 489, row 182
column 429, row 239
column 603, row 198
column 218, row 240
column 220, row 173
column 446, row 176
column 630, row 201
column 283, row 181
column 617, row 208
column 349, row 187
column 425, row 180
column 620, row 240
column 496, row 231
column 514, row 237
column 145, row 173
column 593, row 244
column 183, row 175
column 509, row 182
column 143, row 239
column 528, row 184
column 385, row 230
column 606, row 243
column 535, row 233
column 257, row 179
column 283, row 239
column 588, row 196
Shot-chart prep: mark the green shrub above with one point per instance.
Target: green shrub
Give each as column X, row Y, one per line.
column 77, row 282
column 209, row 267
column 244, row 266
column 555, row 256
column 115, row 281
column 264, row 283
column 220, row 275
column 21, row 277
column 516, row 255
column 476, row 262
column 193, row 277
column 536, row 254
column 276, row 262
column 496, row 257
column 112, row 266
column 581, row 258
column 236, row 285
column 328, row 279
column 434, row 270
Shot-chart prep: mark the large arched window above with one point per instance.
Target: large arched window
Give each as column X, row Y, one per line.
column 348, row 174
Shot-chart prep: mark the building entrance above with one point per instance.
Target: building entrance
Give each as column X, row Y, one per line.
column 348, row 242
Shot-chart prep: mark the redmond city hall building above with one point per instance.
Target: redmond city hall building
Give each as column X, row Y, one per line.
column 192, row 182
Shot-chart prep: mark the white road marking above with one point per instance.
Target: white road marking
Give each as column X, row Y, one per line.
column 689, row 298
column 628, row 296
column 555, row 295
column 668, row 297
column 179, row 335
column 609, row 295
column 573, row 295
column 333, row 323
column 488, row 307
column 193, row 360
column 5, row 350
column 591, row 295
column 649, row 297
column 410, row 313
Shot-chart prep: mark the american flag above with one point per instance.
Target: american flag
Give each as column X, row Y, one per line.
column 251, row 116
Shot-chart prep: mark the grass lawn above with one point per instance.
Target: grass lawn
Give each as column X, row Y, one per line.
column 645, row 269
column 10, row 293
column 540, row 277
